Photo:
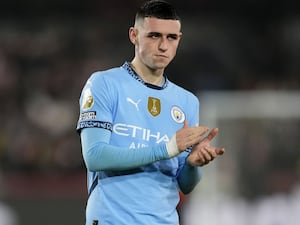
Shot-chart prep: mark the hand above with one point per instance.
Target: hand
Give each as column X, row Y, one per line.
column 202, row 153
column 188, row 136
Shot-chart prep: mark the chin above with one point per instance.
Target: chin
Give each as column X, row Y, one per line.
column 161, row 65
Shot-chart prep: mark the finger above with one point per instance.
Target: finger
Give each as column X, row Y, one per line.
column 206, row 155
column 203, row 130
column 220, row 151
column 211, row 150
column 198, row 131
column 212, row 134
column 188, row 136
column 201, row 158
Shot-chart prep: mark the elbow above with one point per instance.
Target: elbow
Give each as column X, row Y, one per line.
column 91, row 160
column 95, row 159
column 90, row 164
column 188, row 185
column 187, row 190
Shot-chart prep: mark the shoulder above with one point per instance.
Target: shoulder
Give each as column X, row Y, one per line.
column 184, row 93
column 105, row 79
column 106, row 75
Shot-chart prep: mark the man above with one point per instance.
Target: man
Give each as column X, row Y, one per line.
column 137, row 144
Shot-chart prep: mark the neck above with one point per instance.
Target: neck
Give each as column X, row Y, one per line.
column 148, row 75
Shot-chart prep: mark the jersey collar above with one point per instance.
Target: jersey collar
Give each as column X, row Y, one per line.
column 129, row 69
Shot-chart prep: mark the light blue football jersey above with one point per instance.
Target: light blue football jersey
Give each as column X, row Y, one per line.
column 138, row 115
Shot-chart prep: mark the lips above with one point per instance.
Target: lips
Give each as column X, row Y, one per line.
column 162, row 56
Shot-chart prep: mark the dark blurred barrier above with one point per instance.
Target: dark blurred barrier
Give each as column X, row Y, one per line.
column 48, row 199
column 48, row 211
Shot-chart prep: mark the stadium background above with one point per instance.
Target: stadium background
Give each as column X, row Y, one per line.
column 49, row 48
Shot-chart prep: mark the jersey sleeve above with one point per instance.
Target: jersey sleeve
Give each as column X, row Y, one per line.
column 96, row 104
column 99, row 155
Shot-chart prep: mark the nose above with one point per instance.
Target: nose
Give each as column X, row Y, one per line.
column 163, row 44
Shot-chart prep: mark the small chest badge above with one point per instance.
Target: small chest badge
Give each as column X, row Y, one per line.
column 154, row 106
column 87, row 100
column 177, row 114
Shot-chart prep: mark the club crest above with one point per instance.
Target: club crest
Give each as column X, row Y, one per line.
column 177, row 114
column 154, row 106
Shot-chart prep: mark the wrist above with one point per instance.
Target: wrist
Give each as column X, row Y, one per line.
column 172, row 147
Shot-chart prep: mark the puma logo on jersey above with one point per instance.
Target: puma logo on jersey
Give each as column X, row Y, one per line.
column 136, row 104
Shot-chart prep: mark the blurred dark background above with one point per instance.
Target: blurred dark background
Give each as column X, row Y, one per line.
column 49, row 48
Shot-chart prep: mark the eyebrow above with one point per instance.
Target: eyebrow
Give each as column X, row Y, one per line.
column 160, row 34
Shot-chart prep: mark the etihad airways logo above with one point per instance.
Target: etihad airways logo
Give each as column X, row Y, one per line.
column 139, row 133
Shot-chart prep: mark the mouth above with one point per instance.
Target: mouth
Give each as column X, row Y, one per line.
column 161, row 56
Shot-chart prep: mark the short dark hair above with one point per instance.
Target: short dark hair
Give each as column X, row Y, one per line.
column 158, row 9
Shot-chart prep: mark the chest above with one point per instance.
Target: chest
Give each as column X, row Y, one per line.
column 149, row 107
column 151, row 116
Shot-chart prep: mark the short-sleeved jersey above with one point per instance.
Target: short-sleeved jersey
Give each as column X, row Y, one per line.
column 138, row 115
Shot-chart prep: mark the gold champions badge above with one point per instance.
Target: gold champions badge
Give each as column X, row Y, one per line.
column 154, row 106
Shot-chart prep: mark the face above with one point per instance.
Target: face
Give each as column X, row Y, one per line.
column 156, row 41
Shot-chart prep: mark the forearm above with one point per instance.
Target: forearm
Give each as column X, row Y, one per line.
column 99, row 155
column 188, row 178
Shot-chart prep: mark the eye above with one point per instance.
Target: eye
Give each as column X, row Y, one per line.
column 172, row 36
column 154, row 35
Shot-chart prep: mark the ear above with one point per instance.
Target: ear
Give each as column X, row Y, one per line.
column 180, row 35
column 133, row 35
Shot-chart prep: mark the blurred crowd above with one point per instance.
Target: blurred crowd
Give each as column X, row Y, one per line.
column 40, row 82
column 46, row 56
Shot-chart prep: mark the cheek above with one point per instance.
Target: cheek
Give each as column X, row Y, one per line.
column 174, row 49
column 145, row 49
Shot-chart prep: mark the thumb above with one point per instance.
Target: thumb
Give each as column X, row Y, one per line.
column 185, row 124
